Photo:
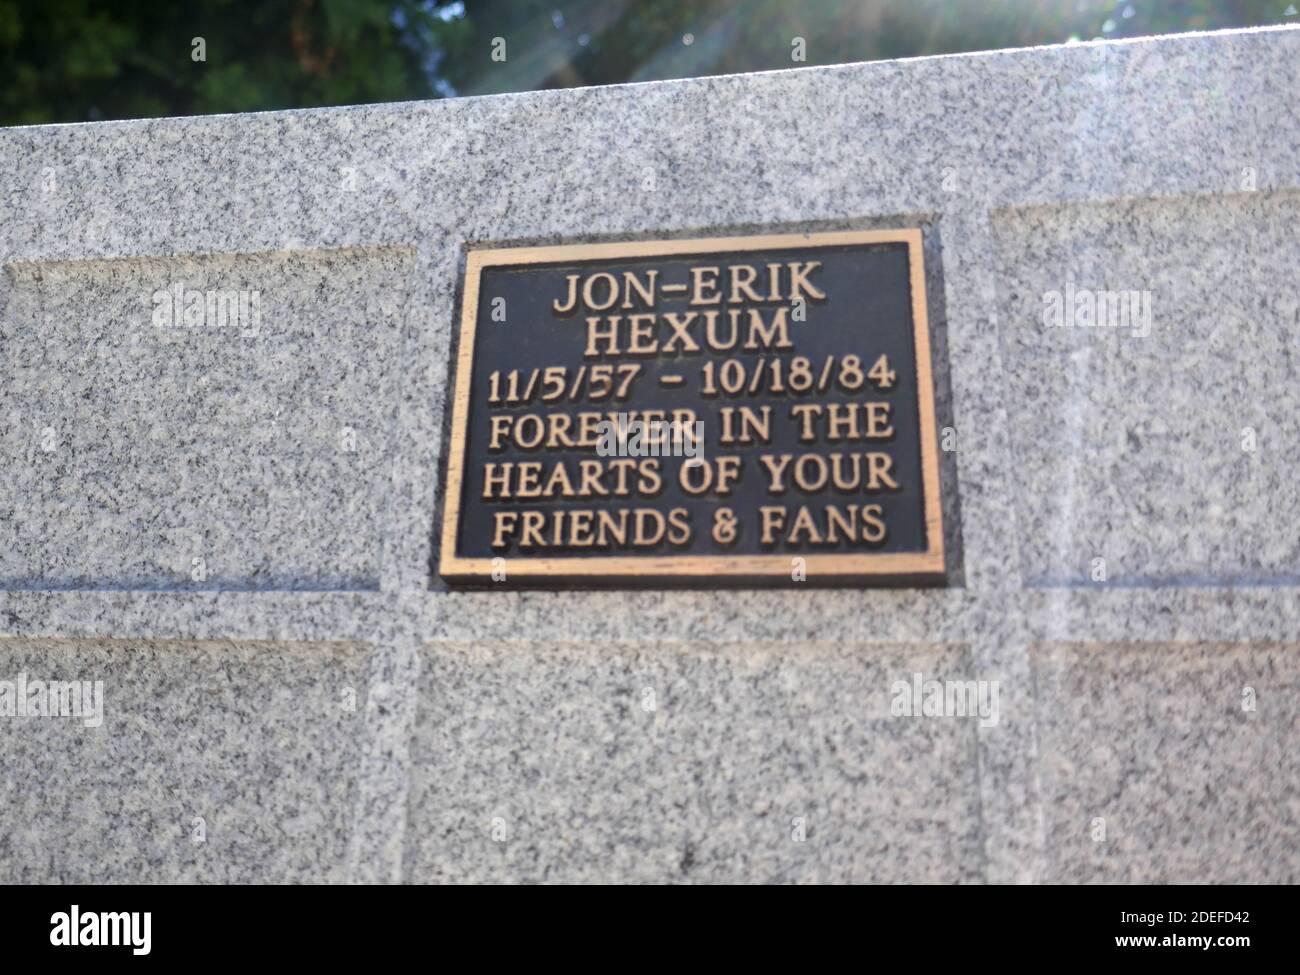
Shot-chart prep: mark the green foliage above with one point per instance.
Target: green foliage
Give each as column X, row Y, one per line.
column 78, row 60
column 74, row 60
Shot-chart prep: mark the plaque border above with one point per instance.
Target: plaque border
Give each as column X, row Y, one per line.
column 841, row 566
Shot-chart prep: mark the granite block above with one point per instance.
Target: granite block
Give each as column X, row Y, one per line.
column 1170, row 764
column 156, row 441
column 222, row 761
column 1164, row 447
column 693, row 763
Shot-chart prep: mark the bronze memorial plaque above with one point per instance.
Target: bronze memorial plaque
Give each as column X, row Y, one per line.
column 738, row 409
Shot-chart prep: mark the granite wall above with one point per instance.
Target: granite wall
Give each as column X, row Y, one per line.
column 232, row 528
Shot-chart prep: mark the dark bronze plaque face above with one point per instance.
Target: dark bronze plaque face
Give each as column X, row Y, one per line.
column 752, row 408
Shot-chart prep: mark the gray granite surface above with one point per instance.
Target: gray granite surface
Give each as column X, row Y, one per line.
column 696, row 762
column 301, row 465
column 1142, row 434
column 238, row 445
column 1186, row 754
column 219, row 761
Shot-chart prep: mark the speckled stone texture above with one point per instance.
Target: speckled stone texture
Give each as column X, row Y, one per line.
column 1121, row 508
column 1142, row 434
column 1153, row 741
column 239, row 445
column 689, row 761
column 220, row 762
